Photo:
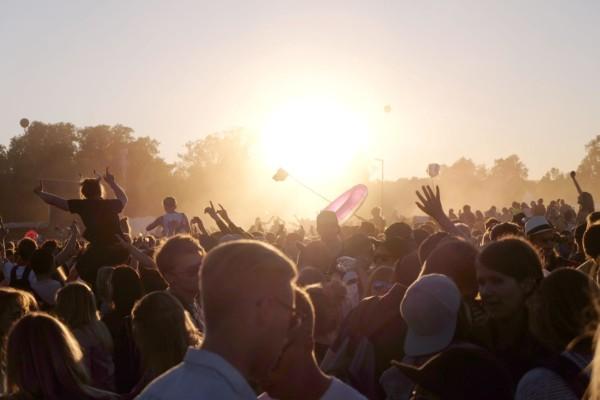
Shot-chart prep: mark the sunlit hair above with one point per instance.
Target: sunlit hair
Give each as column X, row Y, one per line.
column 14, row 304
column 233, row 271
column 562, row 308
column 76, row 307
column 163, row 331
column 306, row 313
column 91, row 188
column 44, row 361
column 177, row 245
column 513, row 257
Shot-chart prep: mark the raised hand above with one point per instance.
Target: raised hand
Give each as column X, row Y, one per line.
column 211, row 210
column 430, row 204
column 222, row 212
column 108, row 177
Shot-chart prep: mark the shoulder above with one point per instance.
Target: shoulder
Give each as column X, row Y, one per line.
column 542, row 383
column 182, row 382
column 75, row 203
column 340, row 390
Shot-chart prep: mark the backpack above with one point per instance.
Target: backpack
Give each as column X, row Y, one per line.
column 22, row 282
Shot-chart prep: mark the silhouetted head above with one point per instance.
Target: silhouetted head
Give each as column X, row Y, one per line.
column 91, row 188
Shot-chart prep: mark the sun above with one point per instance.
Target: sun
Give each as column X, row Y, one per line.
column 313, row 138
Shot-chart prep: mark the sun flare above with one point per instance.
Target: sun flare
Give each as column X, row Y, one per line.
column 313, row 138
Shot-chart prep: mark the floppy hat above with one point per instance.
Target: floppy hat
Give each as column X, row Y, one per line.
column 537, row 224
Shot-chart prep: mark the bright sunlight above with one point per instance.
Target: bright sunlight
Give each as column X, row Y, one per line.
column 313, row 137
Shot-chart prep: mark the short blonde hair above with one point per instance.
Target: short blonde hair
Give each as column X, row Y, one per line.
column 232, row 269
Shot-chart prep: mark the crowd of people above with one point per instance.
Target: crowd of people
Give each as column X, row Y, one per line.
column 479, row 305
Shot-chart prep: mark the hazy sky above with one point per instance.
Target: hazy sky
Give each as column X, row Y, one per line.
column 476, row 78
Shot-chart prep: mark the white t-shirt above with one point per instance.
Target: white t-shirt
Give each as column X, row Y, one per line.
column 338, row 390
column 47, row 289
column 7, row 268
column 173, row 223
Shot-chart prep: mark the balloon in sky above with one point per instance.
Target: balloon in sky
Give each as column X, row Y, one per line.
column 280, row 175
column 24, row 122
column 433, row 170
column 348, row 203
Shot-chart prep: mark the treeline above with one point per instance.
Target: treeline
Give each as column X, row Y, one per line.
column 226, row 167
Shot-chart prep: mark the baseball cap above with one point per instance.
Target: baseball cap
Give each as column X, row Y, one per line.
column 537, row 224
column 430, row 309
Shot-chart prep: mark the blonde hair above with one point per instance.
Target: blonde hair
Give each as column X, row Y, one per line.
column 44, row 361
column 14, row 303
column 232, row 270
column 163, row 331
column 76, row 307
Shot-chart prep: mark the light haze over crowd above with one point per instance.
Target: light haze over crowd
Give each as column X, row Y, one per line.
column 478, row 79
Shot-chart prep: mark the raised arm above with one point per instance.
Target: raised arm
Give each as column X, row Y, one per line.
column 117, row 190
column 144, row 259
column 51, row 199
column 232, row 226
column 573, row 177
column 431, row 204
column 217, row 218
column 70, row 247
column 198, row 222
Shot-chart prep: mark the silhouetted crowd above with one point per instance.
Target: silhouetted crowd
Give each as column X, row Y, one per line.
column 495, row 304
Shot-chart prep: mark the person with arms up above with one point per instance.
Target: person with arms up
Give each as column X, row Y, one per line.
column 101, row 219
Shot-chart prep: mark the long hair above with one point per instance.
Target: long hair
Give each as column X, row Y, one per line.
column 562, row 309
column 76, row 307
column 44, row 361
column 163, row 331
column 14, row 303
column 127, row 289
